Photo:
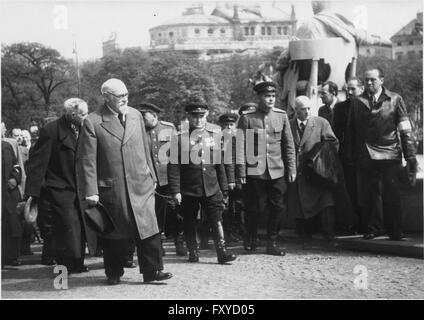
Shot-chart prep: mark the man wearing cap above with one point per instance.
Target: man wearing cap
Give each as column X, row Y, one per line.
column 381, row 133
column 159, row 135
column 197, row 177
column 267, row 154
column 118, row 171
column 52, row 178
column 233, row 214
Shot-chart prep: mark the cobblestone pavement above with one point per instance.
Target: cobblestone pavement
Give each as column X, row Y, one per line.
column 301, row 274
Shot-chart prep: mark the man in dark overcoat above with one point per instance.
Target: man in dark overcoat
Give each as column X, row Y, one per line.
column 11, row 229
column 51, row 176
column 117, row 170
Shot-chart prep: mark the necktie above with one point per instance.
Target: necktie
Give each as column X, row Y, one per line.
column 302, row 129
column 373, row 101
column 121, row 119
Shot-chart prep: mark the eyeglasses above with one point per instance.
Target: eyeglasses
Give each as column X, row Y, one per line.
column 121, row 96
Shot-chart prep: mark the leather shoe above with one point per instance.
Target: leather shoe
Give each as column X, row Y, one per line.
column 48, row 262
column 193, row 256
column 15, row 262
column 274, row 250
column 130, row 264
column 113, row 281
column 156, row 276
column 79, row 269
column 369, row 236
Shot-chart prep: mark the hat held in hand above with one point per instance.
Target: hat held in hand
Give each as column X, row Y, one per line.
column 30, row 210
column 99, row 219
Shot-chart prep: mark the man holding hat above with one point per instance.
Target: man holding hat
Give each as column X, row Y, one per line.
column 52, row 178
column 118, row 171
column 264, row 171
column 159, row 135
column 197, row 177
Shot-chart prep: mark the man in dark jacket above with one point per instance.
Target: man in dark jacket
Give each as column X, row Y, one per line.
column 380, row 134
column 52, row 177
column 159, row 134
column 11, row 229
column 197, row 177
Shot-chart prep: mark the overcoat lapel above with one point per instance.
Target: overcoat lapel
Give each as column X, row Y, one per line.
column 130, row 127
column 65, row 135
column 308, row 130
column 111, row 123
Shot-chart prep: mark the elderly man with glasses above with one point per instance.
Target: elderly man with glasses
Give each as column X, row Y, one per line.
column 118, row 172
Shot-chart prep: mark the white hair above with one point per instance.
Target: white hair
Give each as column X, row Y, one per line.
column 74, row 103
column 301, row 101
column 112, row 85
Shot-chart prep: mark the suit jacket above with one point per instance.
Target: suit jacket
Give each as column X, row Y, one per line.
column 116, row 164
column 21, row 162
column 307, row 196
column 275, row 155
column 52, row 175
column 202, row 178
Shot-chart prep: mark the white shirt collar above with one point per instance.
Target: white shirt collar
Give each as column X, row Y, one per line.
column 378, row 94
column 299, row 122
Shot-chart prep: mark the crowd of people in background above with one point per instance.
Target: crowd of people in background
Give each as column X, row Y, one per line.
column 317, row 170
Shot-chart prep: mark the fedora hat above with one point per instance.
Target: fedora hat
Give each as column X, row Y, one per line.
column 99, row 219
column 30, row 211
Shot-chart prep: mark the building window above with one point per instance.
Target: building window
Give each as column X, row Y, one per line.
column 399, row 44
column 210, row 31
column 279, row 30
column 399, row 56
column 222, row 31
column 196, row 31
column 286, row 30
column 411, row 43
column 171, row 34
column 411, row 54
column 252, row 31
column 159, row 34
column 246, row 31
column 263, row 31
column 368, row 51
column 268, row 29
column 421, row 53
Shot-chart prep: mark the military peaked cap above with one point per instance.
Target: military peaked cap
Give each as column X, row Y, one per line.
column 228, row 117
column 149, row 107
column 196, row 107
column 265, row 86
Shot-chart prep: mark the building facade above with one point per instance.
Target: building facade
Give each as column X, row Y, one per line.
column 407, row 43
column 228, row 29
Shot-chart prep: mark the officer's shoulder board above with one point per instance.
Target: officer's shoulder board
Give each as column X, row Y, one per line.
column 166, row 123
column 278, row 110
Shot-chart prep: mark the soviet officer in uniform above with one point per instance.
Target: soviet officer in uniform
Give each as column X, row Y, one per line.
column 159, row 137
column 264, row 173
column 197, row 177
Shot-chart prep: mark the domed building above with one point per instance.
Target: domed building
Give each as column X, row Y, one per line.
column 228, row 29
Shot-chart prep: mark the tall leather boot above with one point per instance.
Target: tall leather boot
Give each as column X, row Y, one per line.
column 221, row 250
column 180, row 249
column 191, row 241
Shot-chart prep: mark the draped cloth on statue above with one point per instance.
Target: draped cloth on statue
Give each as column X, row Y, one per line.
column 325, row 24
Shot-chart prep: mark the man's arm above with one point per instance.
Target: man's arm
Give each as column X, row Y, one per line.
column 240, row 168
column 288, row 149
column 88, row 158
column 327, row 134
column 37, row 164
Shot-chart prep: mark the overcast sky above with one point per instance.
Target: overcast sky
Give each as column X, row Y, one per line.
column 56, row 23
